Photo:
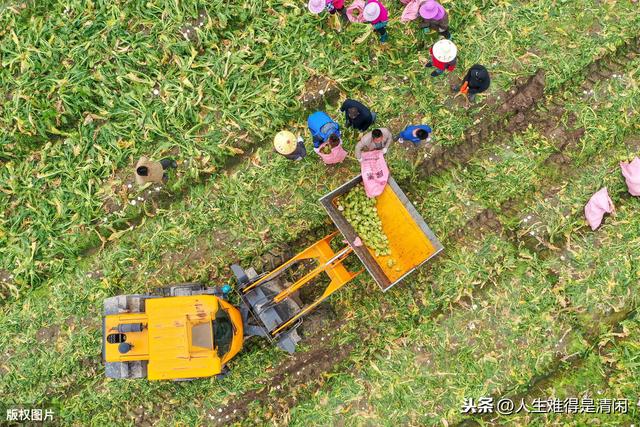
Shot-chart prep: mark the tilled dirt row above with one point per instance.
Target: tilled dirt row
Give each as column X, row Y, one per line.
column 540, row 242
column 487, row 220
column 511, row 115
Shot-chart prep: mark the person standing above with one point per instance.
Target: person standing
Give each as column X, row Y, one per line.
column 357, row 115
column 377, row 139
column 434, row 17
column 376, row 14
column 150, row 171
column 415, row 134
column 286, row 144
column 443, row 57
column 476, row 81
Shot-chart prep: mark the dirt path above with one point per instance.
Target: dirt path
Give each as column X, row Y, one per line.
column 513, row 114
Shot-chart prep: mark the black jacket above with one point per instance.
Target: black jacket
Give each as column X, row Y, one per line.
column 364, row 119
column 478, row 79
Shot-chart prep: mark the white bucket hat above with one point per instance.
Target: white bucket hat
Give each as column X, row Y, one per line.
column 445, row 51
column 316, row 6
column 371, row 12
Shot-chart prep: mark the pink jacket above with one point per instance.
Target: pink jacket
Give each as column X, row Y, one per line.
column 411, row 10
column 356, row 5
column 384, row 15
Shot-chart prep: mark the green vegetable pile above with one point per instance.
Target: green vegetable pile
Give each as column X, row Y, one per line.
column 362, row 214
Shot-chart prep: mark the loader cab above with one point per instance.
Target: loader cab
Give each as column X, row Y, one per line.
column 215, row 335
column 223, row 332
column 182, row 337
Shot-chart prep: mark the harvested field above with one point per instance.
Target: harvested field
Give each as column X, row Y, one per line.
column 525, row 303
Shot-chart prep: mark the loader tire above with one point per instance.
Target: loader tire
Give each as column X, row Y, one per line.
column 126, row 370
column 125, row 304
column 183, row 289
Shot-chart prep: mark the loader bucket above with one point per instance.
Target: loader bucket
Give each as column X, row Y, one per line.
column 272, row 304
column 271, row 315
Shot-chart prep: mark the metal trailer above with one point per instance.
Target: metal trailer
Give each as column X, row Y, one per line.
column 272, row 307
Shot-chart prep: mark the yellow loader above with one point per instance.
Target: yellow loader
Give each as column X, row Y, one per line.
column 193, row 331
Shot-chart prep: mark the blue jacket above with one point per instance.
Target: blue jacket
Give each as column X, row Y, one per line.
column 322, row 127
column 407, row 134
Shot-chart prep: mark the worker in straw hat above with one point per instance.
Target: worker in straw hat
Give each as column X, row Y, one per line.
column 289, row 146
column 443, row 57
column 434, row 17
column 150, row 171
column 376, row 14
column 333, row 6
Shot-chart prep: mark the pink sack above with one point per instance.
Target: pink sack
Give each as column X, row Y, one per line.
column 598, row 205
column 411, row 10
column 357, row 5
column 336, row 156
column 375, row 172
column 631, row 173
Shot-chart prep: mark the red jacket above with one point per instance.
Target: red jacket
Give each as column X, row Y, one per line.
column 450, row 66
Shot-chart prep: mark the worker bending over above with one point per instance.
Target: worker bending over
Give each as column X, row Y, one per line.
column 322, row 127
column 332, row 6
column 377, row 139
column 286, row 144
column 357, row 115
column 476, row 81
column 443, row 57
column 434, row 17
column 377, row 15
column 150, row 171
column 415, row 134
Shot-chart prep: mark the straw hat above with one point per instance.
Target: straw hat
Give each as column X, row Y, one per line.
column 444, row 50
column 285, row 142
column 316, row 6
column 371, row 12
column 154, row 171
column 432, row 10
